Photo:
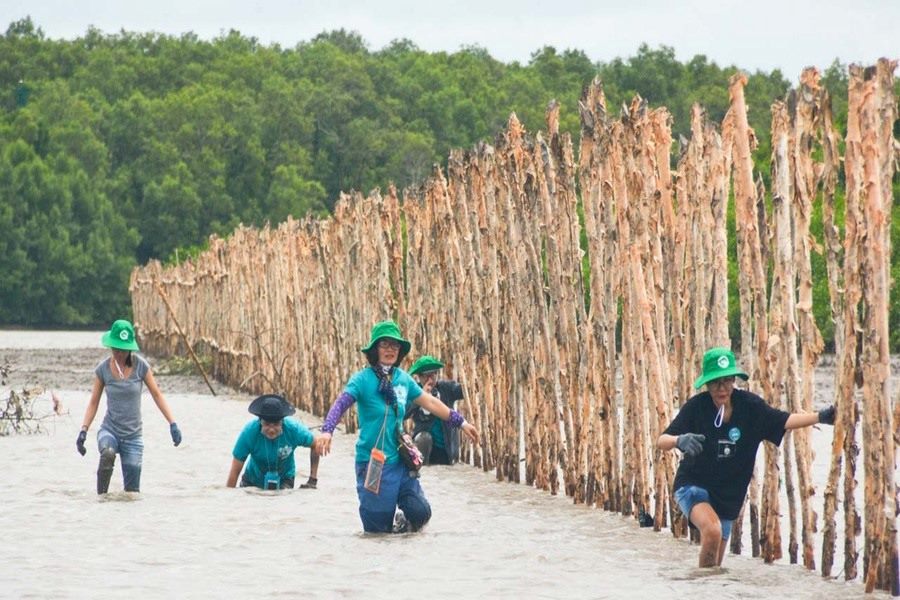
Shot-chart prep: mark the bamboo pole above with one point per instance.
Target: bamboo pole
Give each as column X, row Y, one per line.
column 594, row 171
column 632, row 477
column 190, row 349
column 558, row 157
column 806, row 117
column 782, row 307
column 836, row 289
column 747, row 204
column 877, row 112
column 635, row 357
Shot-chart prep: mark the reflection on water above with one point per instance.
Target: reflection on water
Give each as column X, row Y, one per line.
column 188, row 536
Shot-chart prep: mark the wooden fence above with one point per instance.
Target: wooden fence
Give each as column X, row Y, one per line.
column 573, row 296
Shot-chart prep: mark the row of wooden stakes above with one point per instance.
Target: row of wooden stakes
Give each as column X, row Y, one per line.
column 573, row 296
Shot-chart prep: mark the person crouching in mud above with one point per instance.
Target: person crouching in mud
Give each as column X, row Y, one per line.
column 436, row 440
column 719, row 431
column 123, row 376
column 269, row 441
column 382, row 392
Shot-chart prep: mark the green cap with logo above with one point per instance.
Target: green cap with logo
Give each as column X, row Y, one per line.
column 120, row 336
column 718, row 363
column 425, row 364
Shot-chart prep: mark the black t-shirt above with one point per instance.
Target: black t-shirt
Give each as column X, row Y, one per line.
column 725, row 466
column 447, row 391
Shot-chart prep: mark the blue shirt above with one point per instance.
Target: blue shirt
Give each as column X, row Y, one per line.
column 375, row 412
column 270, row 455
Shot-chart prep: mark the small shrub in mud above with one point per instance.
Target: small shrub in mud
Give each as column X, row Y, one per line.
column 18, row 415
column 182, row 365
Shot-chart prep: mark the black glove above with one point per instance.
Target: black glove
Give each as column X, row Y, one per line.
column 826, row 415
column 690, row 443
column 176, row 433
column 79, row 443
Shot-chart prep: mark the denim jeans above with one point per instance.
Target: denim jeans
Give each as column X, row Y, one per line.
column 131, row 452
column 688, row 496
column 397, row 489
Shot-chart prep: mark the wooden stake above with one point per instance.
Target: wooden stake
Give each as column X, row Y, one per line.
column 165, row 299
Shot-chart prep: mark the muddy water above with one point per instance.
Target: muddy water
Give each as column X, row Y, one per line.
column 188, row 536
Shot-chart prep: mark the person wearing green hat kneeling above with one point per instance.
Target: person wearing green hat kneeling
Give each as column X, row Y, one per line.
column 123, row 376
column 718, row 432
column 269, row 442
column 382, row 391
column 436, row 440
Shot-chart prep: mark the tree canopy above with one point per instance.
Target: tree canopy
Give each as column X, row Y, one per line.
column 119, row 148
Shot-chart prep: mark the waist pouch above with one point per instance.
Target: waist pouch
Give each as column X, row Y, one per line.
column 409, row 452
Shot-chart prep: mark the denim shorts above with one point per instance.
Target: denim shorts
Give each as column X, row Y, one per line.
column 688, row 496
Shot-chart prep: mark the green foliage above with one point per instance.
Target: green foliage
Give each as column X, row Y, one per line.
column 66, row 254
column 119, row 148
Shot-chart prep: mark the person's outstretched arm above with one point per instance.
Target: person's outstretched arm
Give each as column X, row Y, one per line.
column 445, row 413
column 666, row 441
column 322, row 445
column 236, row 466
column 799, row 420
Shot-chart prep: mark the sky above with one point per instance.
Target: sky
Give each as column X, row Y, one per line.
column 753, row 35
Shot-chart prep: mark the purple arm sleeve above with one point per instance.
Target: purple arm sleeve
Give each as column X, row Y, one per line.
column 340, row 406
column 455, row 420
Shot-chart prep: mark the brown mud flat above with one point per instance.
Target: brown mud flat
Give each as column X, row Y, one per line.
column 73, row 369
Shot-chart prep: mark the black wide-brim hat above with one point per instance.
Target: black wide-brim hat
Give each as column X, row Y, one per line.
column 271, row 407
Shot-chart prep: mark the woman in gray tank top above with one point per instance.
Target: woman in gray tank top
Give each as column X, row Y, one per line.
column 123, row 376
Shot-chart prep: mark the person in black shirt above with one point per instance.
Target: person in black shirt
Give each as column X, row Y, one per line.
column 437, row 441
column 718, row 431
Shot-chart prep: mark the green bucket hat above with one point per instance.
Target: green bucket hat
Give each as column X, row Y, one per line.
column 718, row 363
column 387, row 329
column 424, row 364
column 120, row 336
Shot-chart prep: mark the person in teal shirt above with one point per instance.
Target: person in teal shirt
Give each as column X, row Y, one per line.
column 269, row 442
column 436, row 440
column 382, row 391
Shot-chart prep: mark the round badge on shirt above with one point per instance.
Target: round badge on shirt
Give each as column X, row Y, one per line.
column 734, row 434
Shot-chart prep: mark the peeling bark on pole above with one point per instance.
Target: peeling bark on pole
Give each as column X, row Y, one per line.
column 877, row 113
column 836, row 289
column 595, row 172
column 782, row 307
column 753, row 299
